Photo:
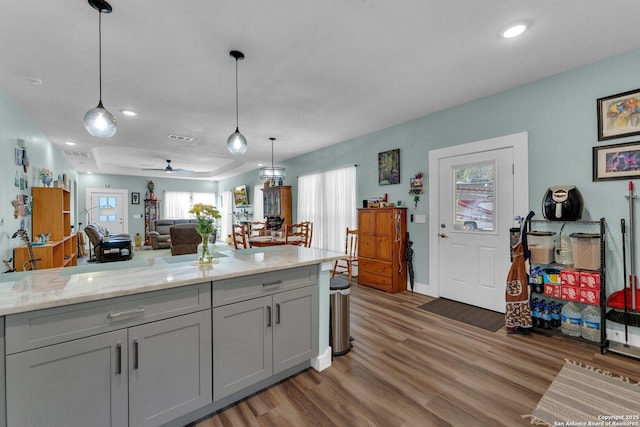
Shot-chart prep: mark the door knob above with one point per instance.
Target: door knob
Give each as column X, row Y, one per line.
column 444, row 236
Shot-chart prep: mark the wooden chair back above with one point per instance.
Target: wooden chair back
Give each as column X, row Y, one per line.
column 309, row 233
column 240, row 237
column 296, row 234
column 258, row 228
column 351, row 250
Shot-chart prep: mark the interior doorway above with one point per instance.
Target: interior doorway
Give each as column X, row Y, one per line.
column 107, row 208
column 476, row 190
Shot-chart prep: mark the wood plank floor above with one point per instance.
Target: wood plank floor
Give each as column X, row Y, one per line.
column 409, row 367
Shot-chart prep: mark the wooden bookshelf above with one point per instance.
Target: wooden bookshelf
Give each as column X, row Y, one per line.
column 51, row 214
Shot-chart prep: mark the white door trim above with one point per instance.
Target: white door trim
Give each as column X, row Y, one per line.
column 520, row 144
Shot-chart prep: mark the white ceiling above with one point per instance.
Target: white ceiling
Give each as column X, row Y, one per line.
column 316, row 73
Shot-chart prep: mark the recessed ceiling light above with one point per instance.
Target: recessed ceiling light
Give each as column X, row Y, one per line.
column 514, row 30
column 129, row 113
column 37, row 81
column 261, row 164
column 70, row 143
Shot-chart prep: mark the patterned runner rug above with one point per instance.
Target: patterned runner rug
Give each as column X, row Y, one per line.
column 585, row 396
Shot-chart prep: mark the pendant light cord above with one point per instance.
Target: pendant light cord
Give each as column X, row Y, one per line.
column 237, row 95
column 100, row 52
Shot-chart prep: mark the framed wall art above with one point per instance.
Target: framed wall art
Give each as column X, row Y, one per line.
column 619, row 115
column 389, row 167
column 618, row 161
column 135, row 198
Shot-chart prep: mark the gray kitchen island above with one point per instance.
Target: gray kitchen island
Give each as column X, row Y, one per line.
column 162, row 341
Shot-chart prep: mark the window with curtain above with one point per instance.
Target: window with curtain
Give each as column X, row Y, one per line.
column 328, row 199
column 178, row 203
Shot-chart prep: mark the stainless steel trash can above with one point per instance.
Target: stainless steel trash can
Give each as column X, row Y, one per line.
column 339, row 329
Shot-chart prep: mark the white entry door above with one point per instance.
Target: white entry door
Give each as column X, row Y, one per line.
column 108, row 208
column 475, row 209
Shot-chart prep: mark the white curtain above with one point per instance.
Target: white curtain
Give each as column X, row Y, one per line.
column 328, row 200
column 258, row 207
column 178, row 203
column 226, row 211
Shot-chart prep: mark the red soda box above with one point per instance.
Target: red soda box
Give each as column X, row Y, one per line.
column 570, row 293
column 590, row 280
column 589, row 296
column 569, row 277
column 551, row 290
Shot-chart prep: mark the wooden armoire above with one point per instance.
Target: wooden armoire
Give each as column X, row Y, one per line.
column 381, row 236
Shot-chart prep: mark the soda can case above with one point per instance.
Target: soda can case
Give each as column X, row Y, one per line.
column 589, row 296
column 570, row 293
column 552, row 290
column 569, row 278
column 590, row 280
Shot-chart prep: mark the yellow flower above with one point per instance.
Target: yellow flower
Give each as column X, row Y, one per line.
column 205, row 216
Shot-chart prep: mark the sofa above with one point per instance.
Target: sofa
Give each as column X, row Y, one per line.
column 108, row 248
column 160, row 235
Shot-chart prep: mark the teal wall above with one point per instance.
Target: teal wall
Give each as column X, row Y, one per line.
column 14, row 126
column 559, row 113
column 139, row 184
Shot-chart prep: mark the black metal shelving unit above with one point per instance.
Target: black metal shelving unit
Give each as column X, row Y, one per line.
column 601, row 225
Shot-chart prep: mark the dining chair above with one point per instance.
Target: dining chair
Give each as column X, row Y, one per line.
column 258, row 228
column 351, row 250
column 240, row 236
column 295, row 234
column 309, row 233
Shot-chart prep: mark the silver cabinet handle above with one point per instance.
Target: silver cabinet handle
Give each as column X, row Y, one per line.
column 275, row 282
column 268, row 316
column 278, row 314
column 136, row 362
column 118, row 359
column 113, row 315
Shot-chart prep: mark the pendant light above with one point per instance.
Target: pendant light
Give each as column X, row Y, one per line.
column 272, row 173
column 98, row 121
column 237, row 143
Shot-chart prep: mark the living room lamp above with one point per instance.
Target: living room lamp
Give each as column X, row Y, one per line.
column 272, row 173
column 237, row 143
column 99, row 121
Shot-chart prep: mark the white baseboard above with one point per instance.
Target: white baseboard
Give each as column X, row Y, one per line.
column 322, row 361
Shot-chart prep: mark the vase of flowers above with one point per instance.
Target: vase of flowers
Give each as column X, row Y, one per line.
column 206, row 215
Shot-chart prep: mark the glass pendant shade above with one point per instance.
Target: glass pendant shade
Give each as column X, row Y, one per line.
column 237, row 143
column 99, row 122
column 273, row 173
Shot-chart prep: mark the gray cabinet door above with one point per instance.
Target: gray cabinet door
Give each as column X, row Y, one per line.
column 242, row 345
column 77, row 383
column 295, row 333
column 169, row 368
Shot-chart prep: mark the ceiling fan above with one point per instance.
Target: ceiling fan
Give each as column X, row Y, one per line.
column 169, row 169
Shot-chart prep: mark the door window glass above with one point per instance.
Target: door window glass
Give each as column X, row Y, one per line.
column 107, row 209
column 474, row 190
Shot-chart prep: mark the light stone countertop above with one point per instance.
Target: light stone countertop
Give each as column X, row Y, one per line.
column 35, row 290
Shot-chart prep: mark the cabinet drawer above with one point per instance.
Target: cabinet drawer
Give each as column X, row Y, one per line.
column 375, row 266
column 375, row 280
column 258, row 285
column 26, row 331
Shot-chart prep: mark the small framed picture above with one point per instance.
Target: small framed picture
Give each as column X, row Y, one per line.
column 618, row 161
column 389, row 167
column 135, row 198
column 619, row 115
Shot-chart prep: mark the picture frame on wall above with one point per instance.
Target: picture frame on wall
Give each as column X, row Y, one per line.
column 619, row 115
column 389, row 167
column 617, row 161
column 135, row 198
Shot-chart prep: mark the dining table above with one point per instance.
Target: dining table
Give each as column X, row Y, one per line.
column 259, row 241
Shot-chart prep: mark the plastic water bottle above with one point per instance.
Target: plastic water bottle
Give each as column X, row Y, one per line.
column 591, row 323
column 535, row 314
column 546, row 316
column 571, row 318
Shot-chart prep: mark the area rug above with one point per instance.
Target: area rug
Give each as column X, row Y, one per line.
column 584, row 395
column 466, row 313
